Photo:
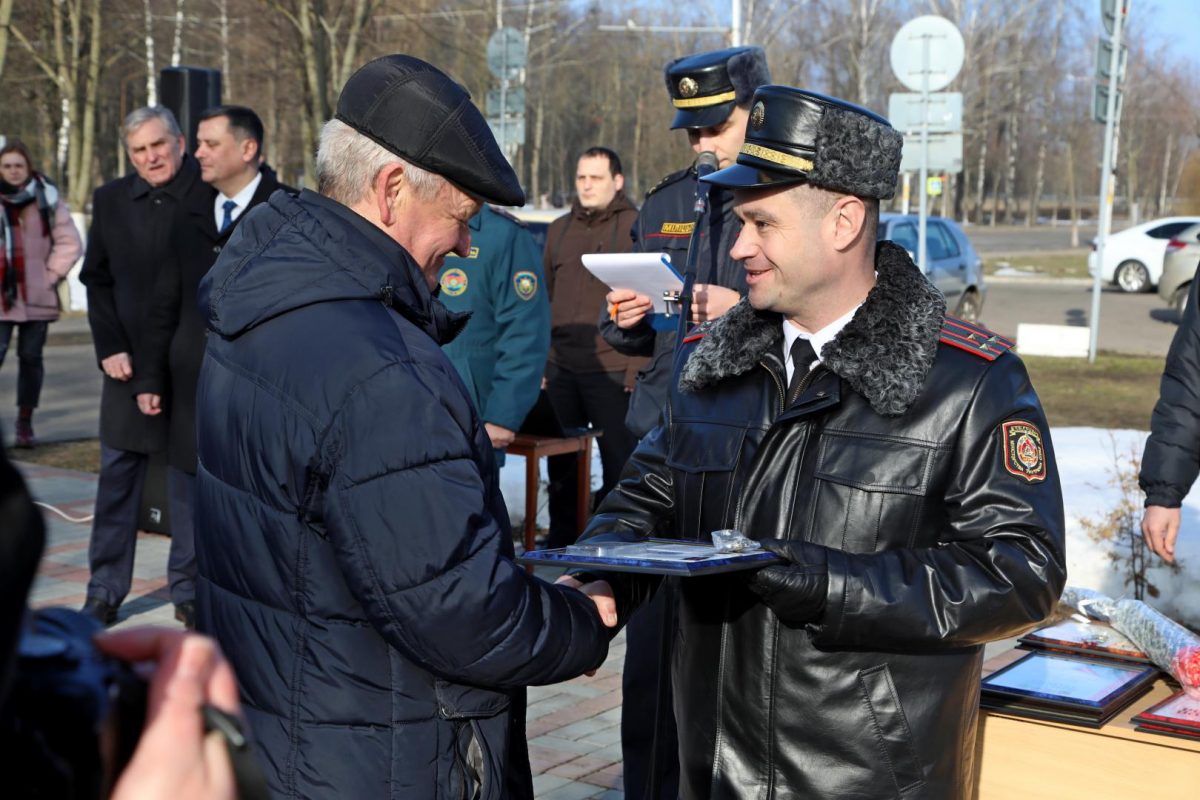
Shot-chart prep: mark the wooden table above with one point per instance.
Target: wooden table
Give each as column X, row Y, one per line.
column 533, row 448
column 1017, row 757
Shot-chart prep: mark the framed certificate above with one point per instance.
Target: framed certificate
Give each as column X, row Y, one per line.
column 653, row 556
column 1088, row 638
column 1178, row 714
column 1068, row 688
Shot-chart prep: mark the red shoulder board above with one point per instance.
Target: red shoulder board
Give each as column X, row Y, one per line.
column 974, row 339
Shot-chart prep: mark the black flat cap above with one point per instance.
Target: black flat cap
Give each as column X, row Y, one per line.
column 414, row 110
column 794, row 135
column 705, row 87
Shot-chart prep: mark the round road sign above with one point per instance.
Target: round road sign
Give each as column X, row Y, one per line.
column 936, row 36
column 506, row 53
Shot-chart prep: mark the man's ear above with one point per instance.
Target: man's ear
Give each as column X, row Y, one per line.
column 847, row 218
column 388, row 185
column 249, row 151
column 619, row 181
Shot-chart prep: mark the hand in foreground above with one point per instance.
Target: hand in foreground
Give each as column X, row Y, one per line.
column 600, row 592
column 626, row 307
column 118, row 366
column 174, row 757
column 149, row 404
column 501, row 437
column 710, row 301
column 1160, row 527
column 795, row 591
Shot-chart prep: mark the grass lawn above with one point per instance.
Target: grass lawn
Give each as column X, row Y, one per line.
column 82, row 455
column 1050, row 264
column 1116, row 392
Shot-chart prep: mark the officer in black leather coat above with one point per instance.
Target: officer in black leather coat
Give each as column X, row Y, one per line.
column 711, row 94
column 899, row 465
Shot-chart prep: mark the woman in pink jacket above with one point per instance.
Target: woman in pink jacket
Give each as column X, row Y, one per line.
column 38, row 245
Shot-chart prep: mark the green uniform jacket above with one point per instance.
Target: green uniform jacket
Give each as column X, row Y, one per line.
column 502, row 353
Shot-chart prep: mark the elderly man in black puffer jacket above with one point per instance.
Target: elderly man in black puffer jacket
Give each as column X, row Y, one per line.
column 355, row 556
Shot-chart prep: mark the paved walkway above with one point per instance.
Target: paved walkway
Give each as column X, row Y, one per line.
column 573, row 727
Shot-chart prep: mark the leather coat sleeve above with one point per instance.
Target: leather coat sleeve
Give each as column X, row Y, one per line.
column 639, row 506
column 407, row 512
column 1172, row 457
column 1000, row 565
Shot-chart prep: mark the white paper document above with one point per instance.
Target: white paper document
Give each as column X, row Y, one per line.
column 650, row 274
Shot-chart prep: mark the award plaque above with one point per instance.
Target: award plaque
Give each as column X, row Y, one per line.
column 1086, row 638
column 1065, row 688
column 654, row 556
column 1178, row 715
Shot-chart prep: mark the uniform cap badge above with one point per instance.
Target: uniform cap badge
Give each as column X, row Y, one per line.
column 758, row 115
column 688, row 87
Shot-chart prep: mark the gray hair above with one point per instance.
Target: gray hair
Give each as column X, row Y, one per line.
column 141, row 116
column 348, row 163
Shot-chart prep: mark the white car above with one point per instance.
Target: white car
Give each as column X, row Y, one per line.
column 1133, row 258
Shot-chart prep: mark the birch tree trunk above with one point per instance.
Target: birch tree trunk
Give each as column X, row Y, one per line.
column 151, row 72
column 177, row 46
column 1162, row 186
column 226, row 73
column 983, row 151
column 6, row 9
column 1014, row 135
column 1074, row 196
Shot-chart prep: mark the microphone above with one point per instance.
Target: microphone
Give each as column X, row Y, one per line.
column 706, row 164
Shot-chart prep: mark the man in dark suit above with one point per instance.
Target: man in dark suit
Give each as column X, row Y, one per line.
column 129, row 239
column 229, row 152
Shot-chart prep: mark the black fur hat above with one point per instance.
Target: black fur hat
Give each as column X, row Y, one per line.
column 795, row 135
column 705, row 87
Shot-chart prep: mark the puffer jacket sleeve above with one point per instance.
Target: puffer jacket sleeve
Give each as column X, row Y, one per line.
column 1000, row 564
column 1172, row 457
column 405, row 509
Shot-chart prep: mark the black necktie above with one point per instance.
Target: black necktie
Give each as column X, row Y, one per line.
column 803, row 356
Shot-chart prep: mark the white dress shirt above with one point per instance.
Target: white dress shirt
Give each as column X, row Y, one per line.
column 242, row 199
column 818, row 340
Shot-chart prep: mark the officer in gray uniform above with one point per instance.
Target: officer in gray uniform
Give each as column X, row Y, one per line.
column 711, row 93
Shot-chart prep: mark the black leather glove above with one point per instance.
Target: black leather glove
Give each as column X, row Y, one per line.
column 794, row 591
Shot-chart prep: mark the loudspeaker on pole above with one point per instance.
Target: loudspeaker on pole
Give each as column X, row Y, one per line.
column 188, row 91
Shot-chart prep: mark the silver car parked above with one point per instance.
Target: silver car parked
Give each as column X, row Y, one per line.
column 954, row 266
column 1179, row 267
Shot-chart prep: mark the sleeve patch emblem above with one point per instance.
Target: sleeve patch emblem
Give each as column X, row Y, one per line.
column 454, row 282
column 1024, row 455
column 526, row 284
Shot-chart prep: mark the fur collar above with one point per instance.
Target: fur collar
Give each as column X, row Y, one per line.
column 884, row 353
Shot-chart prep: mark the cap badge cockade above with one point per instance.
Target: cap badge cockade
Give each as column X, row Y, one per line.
column 758, row 115
column 688, row 87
